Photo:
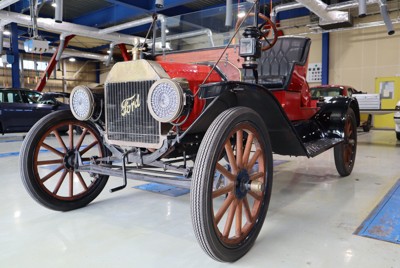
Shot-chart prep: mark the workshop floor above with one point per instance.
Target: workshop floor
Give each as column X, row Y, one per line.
column 312, row 217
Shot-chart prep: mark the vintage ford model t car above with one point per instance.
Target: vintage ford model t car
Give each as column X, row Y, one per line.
column 209, row 127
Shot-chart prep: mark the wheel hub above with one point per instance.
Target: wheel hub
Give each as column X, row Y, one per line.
column 70, row 159
column 242, row 184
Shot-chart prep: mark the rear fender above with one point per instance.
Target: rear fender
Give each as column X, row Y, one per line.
column 332, row 115
column 224, row 95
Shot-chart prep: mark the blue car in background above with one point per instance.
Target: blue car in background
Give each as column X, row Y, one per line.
column 21, row 108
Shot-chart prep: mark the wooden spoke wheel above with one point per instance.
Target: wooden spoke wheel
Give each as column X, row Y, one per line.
column 345, row 153
column 49, row 156
column 231, row 185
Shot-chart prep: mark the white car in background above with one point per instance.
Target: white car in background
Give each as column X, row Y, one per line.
column 397, row 120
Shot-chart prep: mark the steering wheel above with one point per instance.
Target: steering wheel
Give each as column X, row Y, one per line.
column 265, row 30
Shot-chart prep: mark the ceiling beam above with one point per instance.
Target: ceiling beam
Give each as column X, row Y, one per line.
column 127, row 9
column 108, row 16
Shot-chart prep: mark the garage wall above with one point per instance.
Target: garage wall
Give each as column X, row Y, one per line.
column 358, row 57
column 86, row 76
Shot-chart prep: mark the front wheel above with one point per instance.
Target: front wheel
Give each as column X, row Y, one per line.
column 48, row 161
column 345, row 152
column 232, row 181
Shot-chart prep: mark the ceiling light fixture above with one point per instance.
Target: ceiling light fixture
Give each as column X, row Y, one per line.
column 241, row 14
column 7, row 32
column 72, row 59
column 159, row 3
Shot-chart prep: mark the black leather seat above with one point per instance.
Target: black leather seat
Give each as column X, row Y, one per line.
column 276, row 64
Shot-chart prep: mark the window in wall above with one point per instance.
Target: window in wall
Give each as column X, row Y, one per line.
column 29, row 65
column 2, row 64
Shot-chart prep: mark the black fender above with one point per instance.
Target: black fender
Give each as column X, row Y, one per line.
column 224, row 95
column 332, row 115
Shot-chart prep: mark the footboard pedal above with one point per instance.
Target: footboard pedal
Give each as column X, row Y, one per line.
column 316, row 147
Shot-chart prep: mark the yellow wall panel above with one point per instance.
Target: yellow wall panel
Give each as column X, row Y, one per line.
column 389, row 90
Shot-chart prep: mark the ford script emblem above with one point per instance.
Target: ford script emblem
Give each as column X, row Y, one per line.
column 130, row 104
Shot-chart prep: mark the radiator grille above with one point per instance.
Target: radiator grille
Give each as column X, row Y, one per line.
column 137, row 126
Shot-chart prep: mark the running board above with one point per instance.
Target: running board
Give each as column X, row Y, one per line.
column 143, row 175
column 317, row 147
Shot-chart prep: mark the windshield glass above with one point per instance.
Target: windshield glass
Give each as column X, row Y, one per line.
column 325, row 92
column 202, row 29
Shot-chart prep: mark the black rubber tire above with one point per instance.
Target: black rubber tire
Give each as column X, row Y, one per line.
column 202, row 208
column 368, row 124
column 345, row 152
column 29, row 163
column 398, row 136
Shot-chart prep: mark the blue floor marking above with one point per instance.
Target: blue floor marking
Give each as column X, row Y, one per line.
column 3, row 155
column 279, row 162
column 383, row 223
column 5, row 141
column 163, row 189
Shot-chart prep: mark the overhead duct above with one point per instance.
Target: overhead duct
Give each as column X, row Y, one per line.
column 382, row 6
column 163, row 31
column 362, row 8
column 86, row 55
column 228, row 15
column 66, row 27
column 110, row 54
column 61, row 46
column 6, row 3
column 126, row 25
column 1, row 39
column 283, row 7
column 385, row 16
column 58, row 16
column 340, row 6
column 68, row 52
column 140, row 22
column 327, row 19
column 349, row 5
column 159, row 3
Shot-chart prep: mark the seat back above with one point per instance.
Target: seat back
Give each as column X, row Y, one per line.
column 276, row 64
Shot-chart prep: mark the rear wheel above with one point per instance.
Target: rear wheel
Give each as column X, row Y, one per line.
column 368, row 124
column 229, row 198
column 48, row 160
column 345, row 152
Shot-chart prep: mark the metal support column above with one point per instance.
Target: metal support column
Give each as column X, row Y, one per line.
column 325, row 58
column 50, row 67
column 97, row 64
column 16, row 83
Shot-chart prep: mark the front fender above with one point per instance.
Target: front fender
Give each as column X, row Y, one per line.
column 332, row 115
column 224, row 95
